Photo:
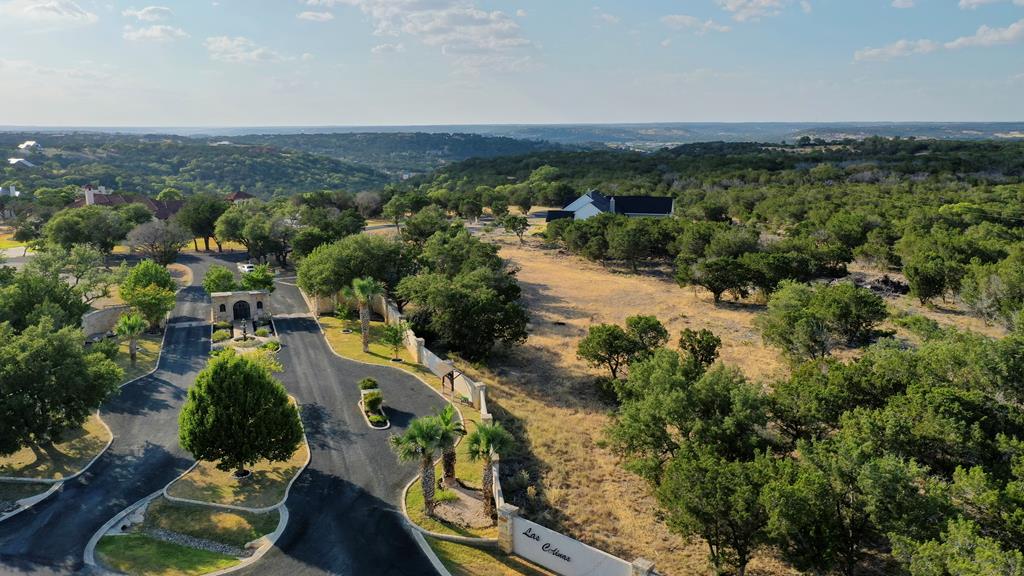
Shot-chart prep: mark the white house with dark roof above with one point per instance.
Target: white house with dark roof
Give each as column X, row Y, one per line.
column 20, row 163
column 29, row 145
column 593, row 203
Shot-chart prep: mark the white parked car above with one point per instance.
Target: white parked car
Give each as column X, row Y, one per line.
column 246, row 268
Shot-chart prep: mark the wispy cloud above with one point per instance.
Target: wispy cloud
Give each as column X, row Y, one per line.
column 744, row 10
column 469, row 35
column 903, row 3
column 388, row 48
column 685, row 22
column 154, row 33
column 149, row 13
column 605, row 17
column 897, row 49
column 988, row 36
column 315, row 16
column 47, row 12
column 239, row 49
column 974, row 4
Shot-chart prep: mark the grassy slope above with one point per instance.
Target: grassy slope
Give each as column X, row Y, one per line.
column 350, row 346
column 265, row 487
column 234, row 528
column 468, row 561
column 140, row 554
column 67, row 457
column 147, row 356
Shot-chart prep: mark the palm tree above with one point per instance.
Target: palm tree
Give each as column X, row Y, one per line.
column 130, row 326
column 420, row 442
column 364, row 290
column 453, row 430
column 488, row 439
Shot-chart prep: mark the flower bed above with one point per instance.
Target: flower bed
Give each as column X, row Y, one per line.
column 371, row 404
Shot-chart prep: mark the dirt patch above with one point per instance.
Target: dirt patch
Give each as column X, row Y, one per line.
column 466, row 509
column 182, row 274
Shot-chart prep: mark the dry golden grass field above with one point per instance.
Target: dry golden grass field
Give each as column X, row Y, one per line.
column 543, row 392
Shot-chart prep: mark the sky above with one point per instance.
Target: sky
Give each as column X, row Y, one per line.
column 406, row 62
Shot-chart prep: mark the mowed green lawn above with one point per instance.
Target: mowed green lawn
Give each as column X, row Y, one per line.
column 138, row 554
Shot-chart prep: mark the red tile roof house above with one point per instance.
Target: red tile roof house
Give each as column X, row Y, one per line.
column 161, row 209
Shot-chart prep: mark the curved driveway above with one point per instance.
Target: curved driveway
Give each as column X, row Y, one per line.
column 345, row 508
column 144, row 456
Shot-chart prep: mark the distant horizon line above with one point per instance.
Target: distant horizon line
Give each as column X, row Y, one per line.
column 19, row 127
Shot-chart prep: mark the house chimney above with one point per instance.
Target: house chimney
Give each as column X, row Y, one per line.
column 611, row 205
column 90, row 195
column 14, row 192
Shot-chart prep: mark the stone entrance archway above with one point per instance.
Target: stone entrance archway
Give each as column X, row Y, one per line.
column 241, row 310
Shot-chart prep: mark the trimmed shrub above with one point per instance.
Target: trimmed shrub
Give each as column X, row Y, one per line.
column 377, row 419
column 221, row 335
column 273, row 346
column 368, row 384
column 222, row 326
column 373, row 401
column 263, row 332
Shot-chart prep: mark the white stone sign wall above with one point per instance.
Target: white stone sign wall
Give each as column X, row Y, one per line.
column 562, row 554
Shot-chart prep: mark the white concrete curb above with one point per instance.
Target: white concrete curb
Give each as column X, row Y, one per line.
column 416, row 531
column 26, row 503
column 90, row 549
column 268, row 540
column 265, row 509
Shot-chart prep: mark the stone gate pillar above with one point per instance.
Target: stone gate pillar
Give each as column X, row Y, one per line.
column 507, row 514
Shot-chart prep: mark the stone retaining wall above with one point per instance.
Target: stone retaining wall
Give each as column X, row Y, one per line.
column 102, row 321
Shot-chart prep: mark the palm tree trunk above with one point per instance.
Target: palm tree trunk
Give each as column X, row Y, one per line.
column 427, row 482
column 488, row 489
column 364, row 324
column 448, row 463
column 133, row 348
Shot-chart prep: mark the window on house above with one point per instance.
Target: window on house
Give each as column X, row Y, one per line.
column 259, row 305
column 223, row 308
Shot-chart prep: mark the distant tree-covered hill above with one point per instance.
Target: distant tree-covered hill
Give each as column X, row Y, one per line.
column 148, row 164
column 401, row 153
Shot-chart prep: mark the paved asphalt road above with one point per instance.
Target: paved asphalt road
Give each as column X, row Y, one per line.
column 51, row 536
column 345, row 508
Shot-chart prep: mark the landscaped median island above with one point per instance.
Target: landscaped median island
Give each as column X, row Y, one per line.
column 458, row 508
column 349, row 345
column 371, row 403
column 245, row 432
column 265, row 486
column 165, row 537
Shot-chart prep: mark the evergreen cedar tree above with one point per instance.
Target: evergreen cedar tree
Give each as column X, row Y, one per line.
column 238, row 414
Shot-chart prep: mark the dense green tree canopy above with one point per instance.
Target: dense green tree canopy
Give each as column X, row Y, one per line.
column 237, row 414
column 49, row 383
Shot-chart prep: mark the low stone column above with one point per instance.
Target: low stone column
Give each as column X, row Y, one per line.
column 643, row 567
column 507, row 514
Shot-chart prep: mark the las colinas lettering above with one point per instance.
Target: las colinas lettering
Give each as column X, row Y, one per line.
column 554, row 551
